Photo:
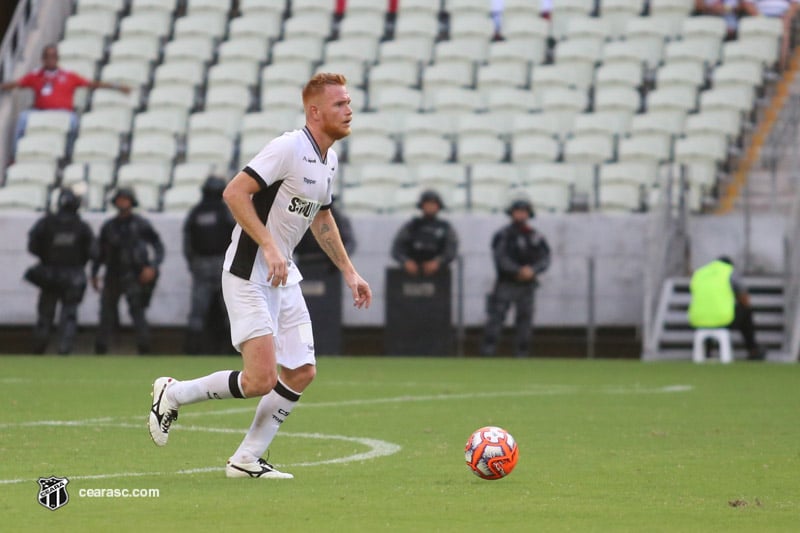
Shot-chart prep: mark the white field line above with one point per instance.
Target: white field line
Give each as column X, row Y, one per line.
column 377, row 448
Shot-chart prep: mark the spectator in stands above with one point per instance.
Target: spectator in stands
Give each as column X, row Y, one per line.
column 62, row 241
column 340, row 7
column 426, row 243
column 497, row 7
column 54, row 88
column 131, row 251
column 206, row 236
column 720, row 300
column 782, row 9
column 521, row 254
column 730, row 10
column 308, row 249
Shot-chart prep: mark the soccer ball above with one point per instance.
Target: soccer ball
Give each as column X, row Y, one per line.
column 491, row 452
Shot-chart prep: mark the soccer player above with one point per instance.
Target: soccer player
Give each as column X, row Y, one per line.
column 285, row 189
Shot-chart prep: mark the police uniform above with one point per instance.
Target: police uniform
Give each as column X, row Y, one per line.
column 513, row 247
column 62, row 242
column 206, row 236
column 126, row 245
column 425, row 238
column 296, row 181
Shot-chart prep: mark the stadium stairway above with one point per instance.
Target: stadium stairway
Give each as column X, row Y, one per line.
column 674, row 335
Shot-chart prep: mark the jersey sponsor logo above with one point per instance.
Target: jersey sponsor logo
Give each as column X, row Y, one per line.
column 309, row 180
column 309, row 160
column 304, row 207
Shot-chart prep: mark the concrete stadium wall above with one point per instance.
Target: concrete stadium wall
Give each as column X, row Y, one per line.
column 617, row 243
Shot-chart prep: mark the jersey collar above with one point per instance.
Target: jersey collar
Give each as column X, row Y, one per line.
column 323, row 159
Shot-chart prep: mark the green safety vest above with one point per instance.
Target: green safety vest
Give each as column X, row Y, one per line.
column 713, row 299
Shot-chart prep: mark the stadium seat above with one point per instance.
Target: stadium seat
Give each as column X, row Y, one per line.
column 194, row 7
column 352, row 48
column 264, row 26
column 472, row 26
column 481, row 148
column 602, row 122
column 596, row 30
column 90, row 180
column 153, row 25
column 23, row 196
column 523, row 51
column 53, row 121
column 440, row 176
column 488, row 198
column 386, row 173
column 194, row 174
column 704, row 26
column 581, row 54
column 499, row 175
column 171, row 97
column 223, row 122
column 564, row 10
column 682, row 73
column 232, row 75
column 205, row 25
column 214, row 149
column 748, row 75
column 428, row 148
column 81, row 48
column 453, row 100
column 260, row 7
column 677, row 98
column 511, row 100
column 546, row 196
column 100, row 24
column 134, row 49
column 413, row 50
column 645, row 147
column 45, row 147
column 390, row 74
column 461, row 50
column 300, row 48
column 286, row 73
column 316, row 24
column 281, row 98
column 617, row 99
column 502, row 74
column 164, row 121
column 530, row 148
column 362, row 23
column 744, row 51
column 107, row 6
column 666, row 124
column 353, row 69
column 247, row 52
column 672, row 12
column 153, row 148
column 592, row 148
column 31, row 172
column 554, row 76
column 130, row 73
column 368, row 199
column 192, row 50
column 154, row 174
column 639, row 173
column 184, row 74
column 396, row 99
column 619, row 197
column 181, row 198
column 97, row 147
column 438, row 124
column 149, row 6
column 618, row 12
column 615, row 75
column 416, row 23
column 694, row 51
column 524, row 26
column 491, row 124
column 437, row 76
column 538, row 124
column 738, row 98
column 639, row 52
column 375, row 149
column 726, row 122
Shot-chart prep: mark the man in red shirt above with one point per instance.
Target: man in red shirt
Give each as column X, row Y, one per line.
column 54, row 88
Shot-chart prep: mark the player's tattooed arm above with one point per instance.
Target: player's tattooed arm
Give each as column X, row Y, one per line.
column 327, row 234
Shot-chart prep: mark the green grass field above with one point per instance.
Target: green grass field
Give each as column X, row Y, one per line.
column 376, row 444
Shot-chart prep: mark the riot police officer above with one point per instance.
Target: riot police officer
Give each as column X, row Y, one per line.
column 426, row 243
column 521, row 254
column 131, row 251
column 62, row 241
column 206, row 236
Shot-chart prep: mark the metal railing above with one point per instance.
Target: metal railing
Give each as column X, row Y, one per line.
column 15, row 37
column 668, row 253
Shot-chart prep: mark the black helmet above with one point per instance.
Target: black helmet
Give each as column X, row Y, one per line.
column 126, row 192
column 68, row 201
column 521, row 203
column 430, row 196
column 214, row 186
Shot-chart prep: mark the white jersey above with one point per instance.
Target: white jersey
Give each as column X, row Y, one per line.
column 296, row 182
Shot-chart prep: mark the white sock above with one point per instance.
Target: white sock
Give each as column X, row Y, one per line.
column 217, row 386
column 272, row 410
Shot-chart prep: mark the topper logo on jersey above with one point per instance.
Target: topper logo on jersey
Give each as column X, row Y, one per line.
column 303, row 207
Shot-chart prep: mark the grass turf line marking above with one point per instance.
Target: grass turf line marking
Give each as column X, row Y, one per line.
column 377, row 448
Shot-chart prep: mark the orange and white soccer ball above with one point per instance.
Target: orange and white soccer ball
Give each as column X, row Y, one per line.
column 491, row 452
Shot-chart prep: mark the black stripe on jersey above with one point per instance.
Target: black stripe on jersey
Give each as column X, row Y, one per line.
column 247, row 248
column 253, row 174
column 326, row 206
column 322, row 159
